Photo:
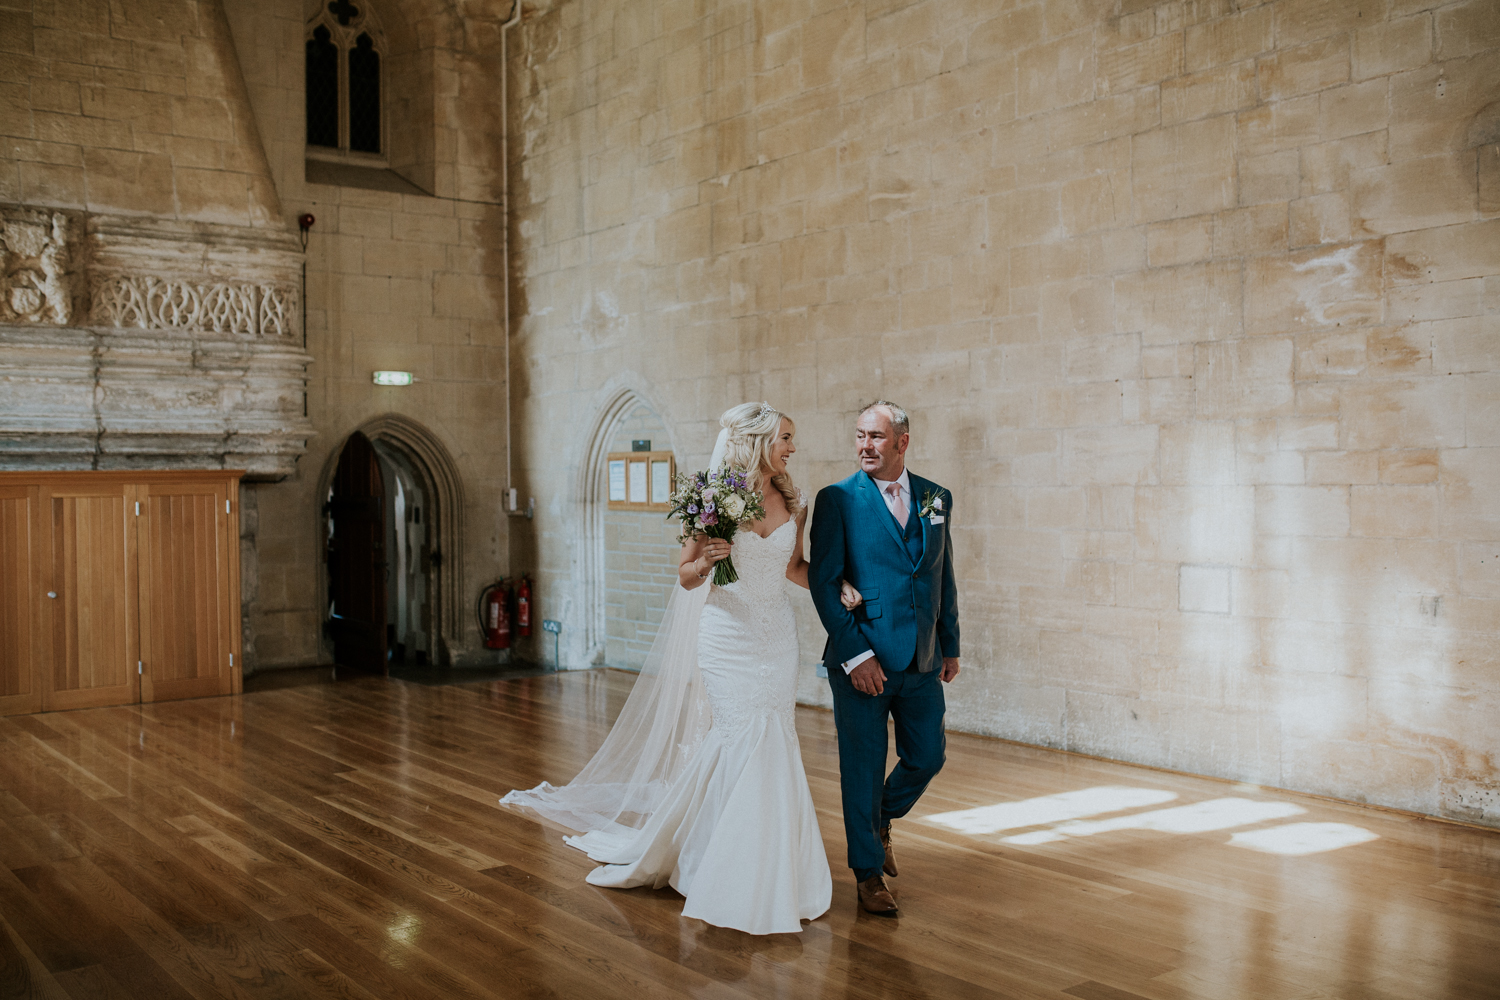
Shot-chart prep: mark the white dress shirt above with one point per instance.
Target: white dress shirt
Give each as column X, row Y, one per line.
column 898, row 502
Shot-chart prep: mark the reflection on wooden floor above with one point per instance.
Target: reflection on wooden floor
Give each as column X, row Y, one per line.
column 343, row 840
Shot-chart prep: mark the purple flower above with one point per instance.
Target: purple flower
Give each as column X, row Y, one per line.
column 692, row 508
column 709, row 518
column 708, row 507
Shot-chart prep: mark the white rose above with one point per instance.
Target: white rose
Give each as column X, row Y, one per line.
column 937, row 504
column 735, row 507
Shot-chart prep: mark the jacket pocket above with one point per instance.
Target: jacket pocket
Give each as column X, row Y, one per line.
column 870, row 609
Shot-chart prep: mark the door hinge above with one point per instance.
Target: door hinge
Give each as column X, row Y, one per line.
column 226, row 506
column 137, row 666
column 231, row 659
column 137, row 508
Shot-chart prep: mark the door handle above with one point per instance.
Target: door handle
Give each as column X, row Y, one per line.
column 52, row 594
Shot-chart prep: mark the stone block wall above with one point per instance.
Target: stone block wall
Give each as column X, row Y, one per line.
column 1194, row 304
column 131, row 108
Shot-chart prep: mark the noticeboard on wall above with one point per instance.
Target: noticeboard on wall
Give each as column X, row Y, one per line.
column 640, row 480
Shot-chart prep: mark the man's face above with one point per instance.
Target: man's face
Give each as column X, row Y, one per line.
column 882, row 452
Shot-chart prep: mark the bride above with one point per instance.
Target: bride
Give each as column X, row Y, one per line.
column 700, row 784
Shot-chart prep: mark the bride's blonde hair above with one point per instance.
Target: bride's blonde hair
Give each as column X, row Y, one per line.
column 753, row 429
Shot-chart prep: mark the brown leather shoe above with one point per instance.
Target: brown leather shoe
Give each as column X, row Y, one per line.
column 890, row 855
column 876, row 897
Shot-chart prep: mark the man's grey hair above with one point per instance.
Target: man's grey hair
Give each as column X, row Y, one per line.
column 900, row 422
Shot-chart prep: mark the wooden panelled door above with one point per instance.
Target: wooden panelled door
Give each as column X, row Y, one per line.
column 184, row 571
column 357, row 559
column 92, row 657
column 117, row 587
column 21, row 552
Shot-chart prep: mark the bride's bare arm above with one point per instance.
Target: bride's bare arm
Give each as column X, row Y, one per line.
column 796, row 568
column 697, row 560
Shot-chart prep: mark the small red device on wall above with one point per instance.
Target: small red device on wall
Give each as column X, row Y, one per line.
column 523, row 606
column 495, row 616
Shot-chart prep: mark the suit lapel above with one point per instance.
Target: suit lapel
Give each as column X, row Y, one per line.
column 919, row 488
column 878, row 509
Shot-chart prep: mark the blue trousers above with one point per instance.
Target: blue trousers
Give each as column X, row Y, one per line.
column 871, row 798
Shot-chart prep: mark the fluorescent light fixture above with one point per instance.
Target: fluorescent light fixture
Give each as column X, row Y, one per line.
column 1049, row 809
column 393, row 378
column 1303, row 838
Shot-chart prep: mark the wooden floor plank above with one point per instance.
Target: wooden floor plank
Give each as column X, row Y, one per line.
column 344, row 840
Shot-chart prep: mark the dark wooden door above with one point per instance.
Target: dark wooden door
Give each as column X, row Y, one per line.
column 357, row 559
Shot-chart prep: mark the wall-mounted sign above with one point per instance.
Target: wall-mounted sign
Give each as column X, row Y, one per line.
column 640, row 480
column 393, row 378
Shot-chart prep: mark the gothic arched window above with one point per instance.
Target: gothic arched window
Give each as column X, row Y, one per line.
column 344, row 110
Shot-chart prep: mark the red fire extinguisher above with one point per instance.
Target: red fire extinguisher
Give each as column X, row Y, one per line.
column 494, row 616
column 523, row 606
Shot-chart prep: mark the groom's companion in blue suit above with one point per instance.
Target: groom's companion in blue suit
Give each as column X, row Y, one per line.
column 886, row 532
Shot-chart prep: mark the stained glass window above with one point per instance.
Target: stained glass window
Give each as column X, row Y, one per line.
column 364, row 96
column 322, row 90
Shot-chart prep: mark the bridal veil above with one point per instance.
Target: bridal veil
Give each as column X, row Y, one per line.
column 658, row 730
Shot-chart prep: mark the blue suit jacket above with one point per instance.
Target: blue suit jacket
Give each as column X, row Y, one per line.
column 910, row 612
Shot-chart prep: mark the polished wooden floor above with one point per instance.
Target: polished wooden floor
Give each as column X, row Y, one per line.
column 343, row 840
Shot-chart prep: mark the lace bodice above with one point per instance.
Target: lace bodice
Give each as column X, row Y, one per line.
column 761, row 565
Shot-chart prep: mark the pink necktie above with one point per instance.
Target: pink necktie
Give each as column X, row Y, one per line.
column 897, row 507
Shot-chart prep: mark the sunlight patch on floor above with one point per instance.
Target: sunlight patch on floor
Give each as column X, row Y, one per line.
column 1049, row 809
column 1200, row 817
column 1303, row 838
column 1067, row 815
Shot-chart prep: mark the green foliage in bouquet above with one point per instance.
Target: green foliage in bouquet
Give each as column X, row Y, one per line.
column 715, row 504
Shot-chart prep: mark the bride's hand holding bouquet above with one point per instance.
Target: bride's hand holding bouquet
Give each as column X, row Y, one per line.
column 715, row 504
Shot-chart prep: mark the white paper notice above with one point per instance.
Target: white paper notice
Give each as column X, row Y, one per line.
column 617, row 481
column 661, row 482
column 637, row 482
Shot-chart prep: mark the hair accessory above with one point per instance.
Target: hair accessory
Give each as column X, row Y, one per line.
column 766, row 409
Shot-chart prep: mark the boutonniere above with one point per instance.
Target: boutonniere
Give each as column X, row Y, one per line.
column 933, row 507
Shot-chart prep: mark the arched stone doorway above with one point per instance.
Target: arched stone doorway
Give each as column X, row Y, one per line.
column 626, row 560
column 422, row 537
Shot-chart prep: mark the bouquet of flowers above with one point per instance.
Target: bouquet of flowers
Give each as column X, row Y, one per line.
column 715, row 504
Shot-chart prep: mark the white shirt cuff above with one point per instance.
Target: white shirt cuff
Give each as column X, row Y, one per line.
column 849, row 665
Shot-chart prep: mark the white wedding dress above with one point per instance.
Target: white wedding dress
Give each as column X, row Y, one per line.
column 731, row 825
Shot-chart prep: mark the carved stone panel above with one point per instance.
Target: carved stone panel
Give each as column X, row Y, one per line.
column 37, row 266
column 146, row 343
column 151, row 303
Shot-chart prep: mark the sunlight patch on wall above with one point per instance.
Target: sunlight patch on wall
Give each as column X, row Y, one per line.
column 1303, row 838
